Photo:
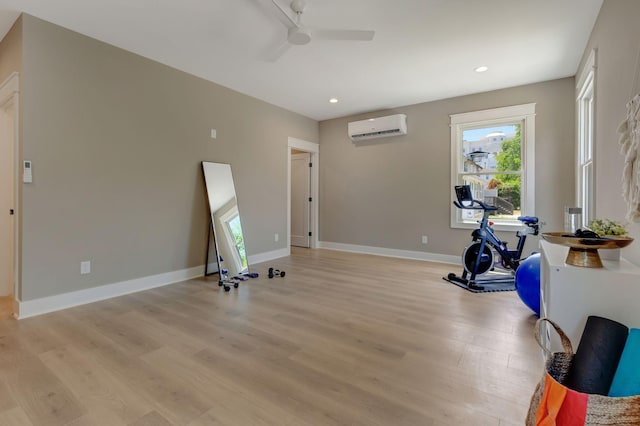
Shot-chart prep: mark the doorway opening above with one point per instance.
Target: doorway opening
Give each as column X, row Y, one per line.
column 302, row 193
column 301, row 198
column 8, row 194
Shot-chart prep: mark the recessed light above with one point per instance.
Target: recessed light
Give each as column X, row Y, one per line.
column 481, row 69
column 333, row 100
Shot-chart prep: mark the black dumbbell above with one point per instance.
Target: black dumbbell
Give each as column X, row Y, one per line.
column 275, row 272
column 226, row 285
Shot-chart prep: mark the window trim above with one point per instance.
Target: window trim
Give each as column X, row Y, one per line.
column 586, row 85
column 526, row 114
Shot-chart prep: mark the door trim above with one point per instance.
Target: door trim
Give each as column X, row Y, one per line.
column 302, row 240
column 9, row 91
column 314, row 150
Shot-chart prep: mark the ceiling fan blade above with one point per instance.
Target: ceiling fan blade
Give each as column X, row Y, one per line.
column 285, row 13
column 277, row 53
column 356, row 35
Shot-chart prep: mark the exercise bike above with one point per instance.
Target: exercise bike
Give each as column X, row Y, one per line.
column 478, row 258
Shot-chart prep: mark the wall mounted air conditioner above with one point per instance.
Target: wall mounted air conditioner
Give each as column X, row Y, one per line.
column 380, row 127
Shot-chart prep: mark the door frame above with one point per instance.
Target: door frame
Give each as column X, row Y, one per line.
column 314, row 150
column 9, row 91
column 306, row 156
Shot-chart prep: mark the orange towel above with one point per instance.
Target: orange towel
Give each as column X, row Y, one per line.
column 561, row 406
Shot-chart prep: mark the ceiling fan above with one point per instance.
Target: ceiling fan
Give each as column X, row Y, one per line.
column 298, row 34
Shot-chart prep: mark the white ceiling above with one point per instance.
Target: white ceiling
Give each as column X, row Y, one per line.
column 423, row 50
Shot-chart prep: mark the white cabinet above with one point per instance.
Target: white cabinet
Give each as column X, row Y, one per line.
column 569, row 294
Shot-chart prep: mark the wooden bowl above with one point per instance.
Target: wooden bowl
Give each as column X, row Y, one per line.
column 584, row 251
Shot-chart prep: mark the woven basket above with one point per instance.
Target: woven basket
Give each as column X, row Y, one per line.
column 601, row 410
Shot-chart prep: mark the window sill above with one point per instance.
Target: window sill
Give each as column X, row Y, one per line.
column 502, row 227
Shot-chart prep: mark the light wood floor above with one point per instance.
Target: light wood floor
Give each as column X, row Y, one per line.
column 343, row 339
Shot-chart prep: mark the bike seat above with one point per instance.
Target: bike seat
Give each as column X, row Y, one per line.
column 528, row 219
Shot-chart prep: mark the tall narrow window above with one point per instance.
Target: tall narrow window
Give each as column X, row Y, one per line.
column 235, row 229
column 586, row 125
column 232, row 230
column 492, row 151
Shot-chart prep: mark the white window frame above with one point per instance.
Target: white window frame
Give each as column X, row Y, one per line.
column 526, row 114
column 585, row 134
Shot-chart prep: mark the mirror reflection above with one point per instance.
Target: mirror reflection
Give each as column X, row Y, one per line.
column 227, row 244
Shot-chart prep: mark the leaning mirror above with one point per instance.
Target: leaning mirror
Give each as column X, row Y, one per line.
column 226, row 242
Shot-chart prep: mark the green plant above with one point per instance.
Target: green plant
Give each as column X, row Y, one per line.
column 510, row 159
column 607, row 227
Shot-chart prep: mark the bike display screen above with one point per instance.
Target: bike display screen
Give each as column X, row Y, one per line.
column 463, row 194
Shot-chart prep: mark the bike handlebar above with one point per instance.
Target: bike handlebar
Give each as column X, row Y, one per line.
column 482, row 205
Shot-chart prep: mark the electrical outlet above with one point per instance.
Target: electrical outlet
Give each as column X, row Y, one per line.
column 276, row 237
column 85, row 267
column 425, row 240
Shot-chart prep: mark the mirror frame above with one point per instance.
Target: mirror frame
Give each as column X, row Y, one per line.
column 211, row 228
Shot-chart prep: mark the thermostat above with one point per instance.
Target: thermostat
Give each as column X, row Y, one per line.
column 27, row 177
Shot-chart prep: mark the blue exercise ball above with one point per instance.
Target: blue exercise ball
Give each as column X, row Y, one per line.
column 528, row 282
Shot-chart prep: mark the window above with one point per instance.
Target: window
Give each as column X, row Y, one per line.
column 233, row 235
column 585, row 110
column 493, row 152
column 236, row 234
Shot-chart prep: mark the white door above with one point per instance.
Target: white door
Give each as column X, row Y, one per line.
column 7, row 241
column 300, row 198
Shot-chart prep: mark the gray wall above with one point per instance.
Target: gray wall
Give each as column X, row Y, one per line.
column 616, row 36
column 116, row 142
column 391, row 192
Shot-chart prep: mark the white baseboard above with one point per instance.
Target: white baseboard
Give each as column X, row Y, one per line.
column 267, row 256
column 43, row 305
column 388, row 252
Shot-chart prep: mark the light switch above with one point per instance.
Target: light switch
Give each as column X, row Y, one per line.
column 85, row 267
